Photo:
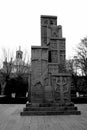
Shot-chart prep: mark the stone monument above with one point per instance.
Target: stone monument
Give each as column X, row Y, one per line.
column 49, row 82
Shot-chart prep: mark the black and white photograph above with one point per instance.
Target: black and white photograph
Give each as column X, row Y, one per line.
column 43, row 65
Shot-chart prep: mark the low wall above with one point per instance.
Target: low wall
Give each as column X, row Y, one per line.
column 23, row 100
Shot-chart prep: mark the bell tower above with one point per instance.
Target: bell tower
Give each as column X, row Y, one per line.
column 19, row 53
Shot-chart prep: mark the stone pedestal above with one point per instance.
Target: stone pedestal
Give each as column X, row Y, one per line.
column 56, row 99
column 50, row 109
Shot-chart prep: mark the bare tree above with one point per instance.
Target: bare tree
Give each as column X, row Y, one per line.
column 13, row 68
column 71, row 66
column 5, row 70
column 81, row 65
column 22, row 69
column 82, row 56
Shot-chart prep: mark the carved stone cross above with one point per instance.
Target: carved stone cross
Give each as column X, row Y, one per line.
column 61, row 83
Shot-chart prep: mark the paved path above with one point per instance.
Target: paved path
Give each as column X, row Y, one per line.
column 10, row 119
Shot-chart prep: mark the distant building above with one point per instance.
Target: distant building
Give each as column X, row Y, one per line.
column 16, row 67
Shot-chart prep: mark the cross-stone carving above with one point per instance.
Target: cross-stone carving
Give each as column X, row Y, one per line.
column 50, row 83
column 61, row 83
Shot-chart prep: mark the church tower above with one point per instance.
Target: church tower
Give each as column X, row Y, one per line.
column 19, row 53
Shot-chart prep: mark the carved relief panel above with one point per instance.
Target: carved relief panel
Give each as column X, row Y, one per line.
column 54, row 31
column 61, row 85
column 43, row 35
column 37, row 93
column 53, row 22
column 62, row 45
column 48, row 21
column 62, row 56
column 53, row 68
column 53, row 44
column 54, row 55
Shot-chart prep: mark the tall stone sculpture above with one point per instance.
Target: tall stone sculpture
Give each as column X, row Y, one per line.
column 49, row 83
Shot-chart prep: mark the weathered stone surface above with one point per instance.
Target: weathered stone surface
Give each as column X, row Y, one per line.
column 61, row 87
column 50, row 83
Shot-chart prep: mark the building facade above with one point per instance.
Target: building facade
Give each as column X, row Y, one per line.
column 14, row 69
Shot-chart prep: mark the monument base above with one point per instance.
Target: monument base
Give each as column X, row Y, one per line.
column 50, row 109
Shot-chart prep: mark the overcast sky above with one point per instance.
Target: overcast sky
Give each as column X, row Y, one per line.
column 20, row 22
